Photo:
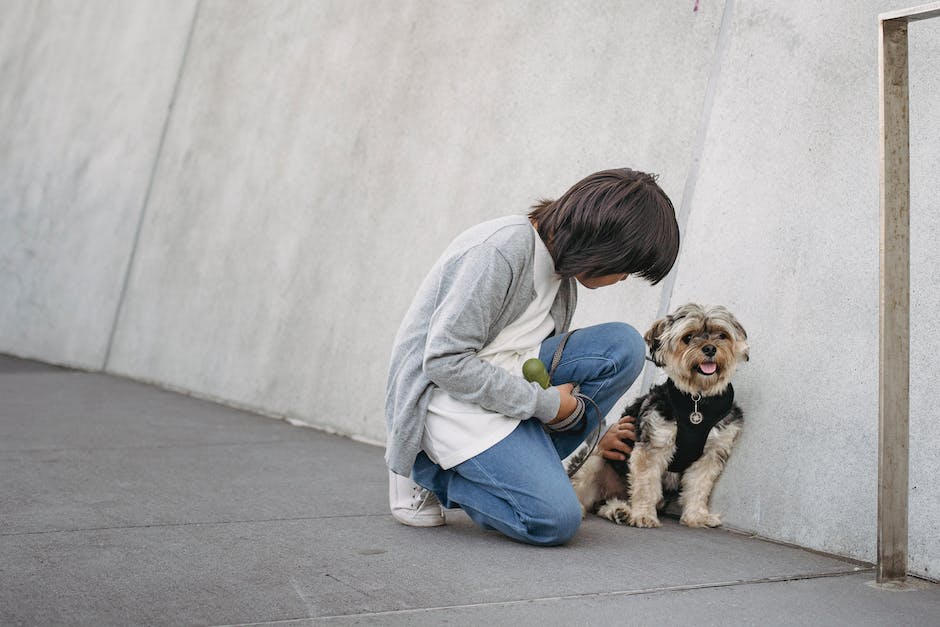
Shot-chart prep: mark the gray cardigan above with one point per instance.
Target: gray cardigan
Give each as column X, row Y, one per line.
column 482, row 282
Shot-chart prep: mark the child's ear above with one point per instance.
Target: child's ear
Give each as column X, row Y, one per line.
column 653, row 336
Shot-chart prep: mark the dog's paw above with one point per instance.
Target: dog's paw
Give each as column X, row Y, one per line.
column 700, row 519
column 616, row 511
column 647, row 519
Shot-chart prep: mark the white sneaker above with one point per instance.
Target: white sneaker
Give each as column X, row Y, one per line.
column 411, row 504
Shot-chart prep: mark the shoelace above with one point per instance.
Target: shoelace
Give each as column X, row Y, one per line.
column 418, row 496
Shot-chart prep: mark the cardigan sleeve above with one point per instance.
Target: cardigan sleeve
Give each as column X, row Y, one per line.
column 473, row 292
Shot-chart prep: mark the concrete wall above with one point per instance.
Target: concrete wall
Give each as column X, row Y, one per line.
column 238, row 200
column 83, row 102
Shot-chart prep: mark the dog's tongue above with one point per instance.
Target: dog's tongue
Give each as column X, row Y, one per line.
column 708, row 367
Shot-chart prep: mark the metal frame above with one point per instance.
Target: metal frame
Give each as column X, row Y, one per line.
column 894, row 308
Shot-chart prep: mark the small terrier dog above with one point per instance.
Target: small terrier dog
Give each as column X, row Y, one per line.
column 685, row 427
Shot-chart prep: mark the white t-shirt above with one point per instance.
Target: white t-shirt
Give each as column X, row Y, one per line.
column 456, row 431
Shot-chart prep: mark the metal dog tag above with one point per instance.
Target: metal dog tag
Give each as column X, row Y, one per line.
column 696, row 416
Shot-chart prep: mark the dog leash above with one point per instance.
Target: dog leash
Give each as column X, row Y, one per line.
column 596, row 435
column 583, row 399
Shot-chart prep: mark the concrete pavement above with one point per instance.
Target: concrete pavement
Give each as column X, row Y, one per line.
column 124, row 504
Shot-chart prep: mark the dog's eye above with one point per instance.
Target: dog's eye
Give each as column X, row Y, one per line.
column 722, row 336
column 687, row 338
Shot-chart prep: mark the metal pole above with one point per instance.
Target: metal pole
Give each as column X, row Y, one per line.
column 894, row 310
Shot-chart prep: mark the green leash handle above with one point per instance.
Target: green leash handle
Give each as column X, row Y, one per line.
column 534, row 370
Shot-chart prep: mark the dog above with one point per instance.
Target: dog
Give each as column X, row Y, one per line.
column 685, row 427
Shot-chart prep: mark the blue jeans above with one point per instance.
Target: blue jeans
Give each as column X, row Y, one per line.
column 519, row 486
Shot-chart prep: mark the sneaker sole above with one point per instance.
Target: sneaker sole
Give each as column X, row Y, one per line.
column 424, row 521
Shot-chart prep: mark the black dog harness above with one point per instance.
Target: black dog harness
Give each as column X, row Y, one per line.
column 691, row 435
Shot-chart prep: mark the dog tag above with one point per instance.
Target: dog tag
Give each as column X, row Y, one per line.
column 696, row 416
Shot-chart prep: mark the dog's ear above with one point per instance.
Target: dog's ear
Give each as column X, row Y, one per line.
column 652, row 338
column 746, row 353
column 741, row 337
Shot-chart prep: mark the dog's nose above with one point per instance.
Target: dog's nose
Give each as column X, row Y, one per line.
column 709, row 350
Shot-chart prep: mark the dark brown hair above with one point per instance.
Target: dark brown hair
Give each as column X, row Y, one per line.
column 611, row 222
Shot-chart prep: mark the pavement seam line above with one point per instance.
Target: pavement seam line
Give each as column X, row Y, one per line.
column 588, row 595
column 126, row 447
column 201, row 523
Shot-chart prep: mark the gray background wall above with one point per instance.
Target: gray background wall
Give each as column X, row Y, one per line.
column 238, row 200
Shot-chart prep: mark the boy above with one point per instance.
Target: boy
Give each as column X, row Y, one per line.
column 464, row 428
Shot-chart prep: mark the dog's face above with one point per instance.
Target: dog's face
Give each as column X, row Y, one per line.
column 698, row 347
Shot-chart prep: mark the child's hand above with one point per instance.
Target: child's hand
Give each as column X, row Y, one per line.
column 612, row 445
column 568, row 402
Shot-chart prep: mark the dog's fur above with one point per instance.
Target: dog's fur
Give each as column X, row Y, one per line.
column 699, row 349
